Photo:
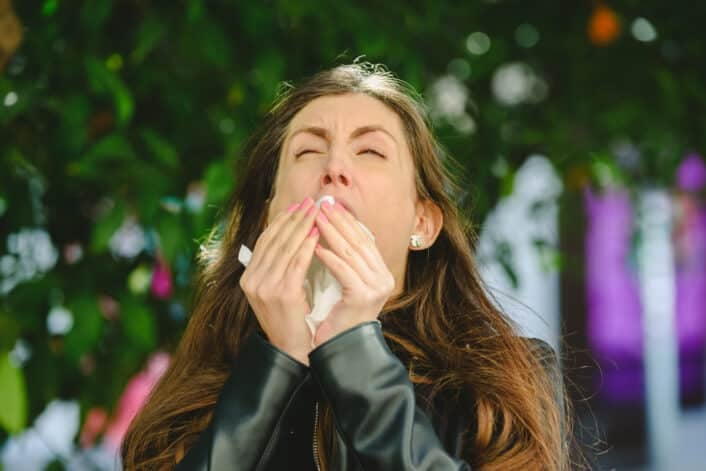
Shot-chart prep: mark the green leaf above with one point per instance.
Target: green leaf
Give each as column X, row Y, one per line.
column 106, row 227
column 139, row 280
column 95, row 12
column 9, row 330
column 194, row 11
column 268, row 72
column 75, row 112
column 103, row 80
column 13, row 396
column 213, row 43
column 170, row 235
column 49, row 7
column 87, row 329
column 160, row 148
column 139, row 324
column 507, row 183
column 113, row 149
column 218, row 182
column 151, row 31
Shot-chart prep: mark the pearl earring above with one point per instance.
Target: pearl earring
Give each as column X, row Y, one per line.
column 416, row 240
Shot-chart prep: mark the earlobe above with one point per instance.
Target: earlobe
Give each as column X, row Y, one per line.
column 416, row 240
column 429, row 223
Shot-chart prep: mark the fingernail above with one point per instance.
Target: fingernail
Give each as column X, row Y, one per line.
column 314, row 231
column 307, row 202
column 293, row 208
column 339, row 206
column 326, row 205
column 321, row 217
column 311, row 210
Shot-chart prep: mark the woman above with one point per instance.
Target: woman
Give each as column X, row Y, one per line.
column 413, row 369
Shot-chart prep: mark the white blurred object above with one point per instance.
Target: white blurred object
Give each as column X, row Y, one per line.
column 31, row 253
column 448, row 97
column 51, row 437
column 516, row 82
column 100, row 457
column 129, row 240
column 655, row 257
column 322, row 289
column 59, row 321
column 526, row 223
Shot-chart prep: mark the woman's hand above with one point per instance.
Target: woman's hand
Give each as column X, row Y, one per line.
column 354, row 259
column 273, row 281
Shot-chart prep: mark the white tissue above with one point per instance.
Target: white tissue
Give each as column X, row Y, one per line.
column 322, row 289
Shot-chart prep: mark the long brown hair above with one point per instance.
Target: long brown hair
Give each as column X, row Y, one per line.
column 442, row 325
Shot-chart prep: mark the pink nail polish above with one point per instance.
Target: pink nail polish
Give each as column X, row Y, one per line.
column 339, row 206
column 314, row 231
column 321, row 217
column 293, row 208
column 311, row 211
column 326, row 205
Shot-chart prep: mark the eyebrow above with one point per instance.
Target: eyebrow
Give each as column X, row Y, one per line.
column 322, row 132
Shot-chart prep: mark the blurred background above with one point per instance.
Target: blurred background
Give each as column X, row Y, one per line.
column 579, row 127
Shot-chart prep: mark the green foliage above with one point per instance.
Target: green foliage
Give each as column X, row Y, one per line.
column 118, row 108
column 13, row 413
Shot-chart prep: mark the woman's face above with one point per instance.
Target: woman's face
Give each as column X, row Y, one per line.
column 353, row 148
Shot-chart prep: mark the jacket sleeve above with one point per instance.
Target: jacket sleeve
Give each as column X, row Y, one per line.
column 373, row 403
column 249, row 410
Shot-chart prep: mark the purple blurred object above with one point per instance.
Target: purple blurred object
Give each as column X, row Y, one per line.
column 690, row 258
column 691, row 174
column 161, row 279
column 614, row 318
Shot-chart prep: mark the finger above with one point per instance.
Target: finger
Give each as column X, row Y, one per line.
column 270, row 232
column 279, row 240
column 293, row 245
column 343, row 249
column 280, row 251
column 342, row 271
column 350, row 243
column 369, row 249
column 298, row 267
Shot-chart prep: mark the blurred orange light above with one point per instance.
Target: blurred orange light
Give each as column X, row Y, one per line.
column 603, row 26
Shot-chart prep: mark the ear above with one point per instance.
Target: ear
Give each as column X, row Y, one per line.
column 428, row 223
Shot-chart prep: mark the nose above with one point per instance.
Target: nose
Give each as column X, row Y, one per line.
column 336, row 172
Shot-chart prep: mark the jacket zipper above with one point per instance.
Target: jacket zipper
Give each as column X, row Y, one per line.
column 316, row 445
column 271, row 443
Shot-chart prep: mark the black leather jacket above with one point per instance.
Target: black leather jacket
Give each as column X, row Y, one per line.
column 264, row 417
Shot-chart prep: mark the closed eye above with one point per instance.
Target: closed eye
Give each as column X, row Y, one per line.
column 373, row 152
column 305, row 151
column 366, row 151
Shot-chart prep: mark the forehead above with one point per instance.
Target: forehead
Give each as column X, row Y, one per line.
column 345, row 113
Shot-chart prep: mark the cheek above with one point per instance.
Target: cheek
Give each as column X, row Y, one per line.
column 391, row 223
column 305, row 176
column 293, row 186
